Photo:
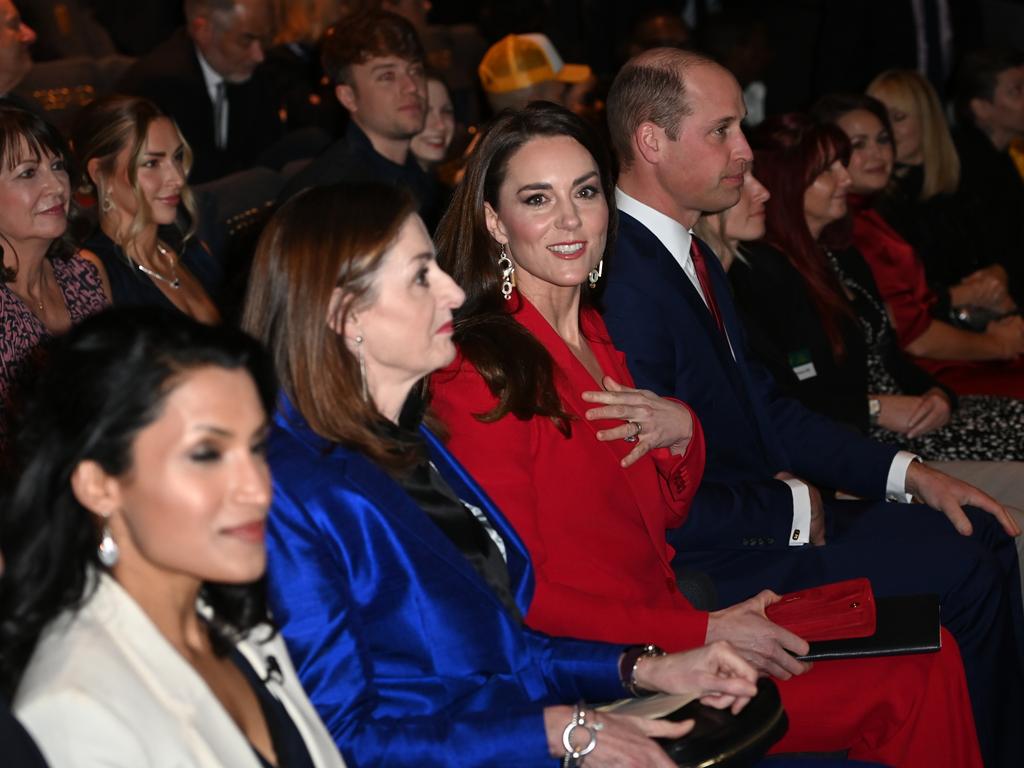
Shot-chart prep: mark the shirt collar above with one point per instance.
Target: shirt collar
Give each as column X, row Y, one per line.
column 673, row 235
column 210, row 75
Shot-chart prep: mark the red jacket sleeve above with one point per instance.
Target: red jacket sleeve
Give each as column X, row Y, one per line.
column 501, row 456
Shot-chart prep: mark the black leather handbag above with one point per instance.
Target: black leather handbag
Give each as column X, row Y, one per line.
column 724, row 740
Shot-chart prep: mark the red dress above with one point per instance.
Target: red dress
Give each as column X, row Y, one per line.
column 602, row 566
column 901, row 280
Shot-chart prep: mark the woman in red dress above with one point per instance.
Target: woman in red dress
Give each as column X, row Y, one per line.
column 541, row 409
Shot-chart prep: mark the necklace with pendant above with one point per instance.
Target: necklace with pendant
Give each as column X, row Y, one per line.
column 173, row 280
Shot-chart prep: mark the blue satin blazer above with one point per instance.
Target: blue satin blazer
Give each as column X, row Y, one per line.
column 407, row 654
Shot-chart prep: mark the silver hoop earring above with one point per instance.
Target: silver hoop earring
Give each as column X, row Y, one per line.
column 108, row 552
column 595, row 273
column 508, row 273
column 362, row 365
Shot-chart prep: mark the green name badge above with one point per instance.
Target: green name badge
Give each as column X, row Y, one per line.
column 802, row 365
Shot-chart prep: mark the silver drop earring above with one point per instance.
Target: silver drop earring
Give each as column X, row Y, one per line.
column 108, row 552
column 595, row 273
column 508, row 273
column 362, row 365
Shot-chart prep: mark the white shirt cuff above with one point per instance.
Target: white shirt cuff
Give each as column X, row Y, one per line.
column 896, row 482
column 801, row 531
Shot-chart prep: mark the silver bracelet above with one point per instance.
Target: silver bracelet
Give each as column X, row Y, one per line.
column 573, row 755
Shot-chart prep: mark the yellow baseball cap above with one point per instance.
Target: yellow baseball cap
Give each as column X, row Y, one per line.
column 519, row 61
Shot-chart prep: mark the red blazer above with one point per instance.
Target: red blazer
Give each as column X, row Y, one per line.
column 595, row 531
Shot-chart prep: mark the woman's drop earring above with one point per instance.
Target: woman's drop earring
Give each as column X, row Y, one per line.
column 106, row 204
column 508, row 273
column 362, row 365
column 595, row 273
column 108, row 552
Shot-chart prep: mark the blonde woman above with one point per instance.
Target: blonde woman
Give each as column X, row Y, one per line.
column 966, row 272
column 136, row 161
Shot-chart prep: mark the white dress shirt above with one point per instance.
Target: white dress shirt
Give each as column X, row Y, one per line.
column 676, row 239
column 214, row 82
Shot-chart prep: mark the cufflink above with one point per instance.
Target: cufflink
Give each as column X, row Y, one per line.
column 796, row 534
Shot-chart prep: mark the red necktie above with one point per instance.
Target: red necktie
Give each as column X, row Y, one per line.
column 705, row 282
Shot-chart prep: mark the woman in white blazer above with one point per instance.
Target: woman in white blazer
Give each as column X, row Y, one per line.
column 134, row 628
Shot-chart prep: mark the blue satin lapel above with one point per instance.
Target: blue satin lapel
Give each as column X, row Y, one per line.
column 519, row 569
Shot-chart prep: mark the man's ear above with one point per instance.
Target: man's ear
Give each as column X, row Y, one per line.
column 346, row 96
column 97, row 491
column 494, row 224
column 649, row 142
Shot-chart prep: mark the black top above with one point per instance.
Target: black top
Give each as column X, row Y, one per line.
column 353, row 159
column 785, row 332
column 288, row 744
column 464, row 524
column 990, row 201
column 130, row 287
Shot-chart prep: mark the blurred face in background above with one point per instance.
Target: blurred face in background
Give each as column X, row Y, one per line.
column 1002, row 118
column 745, row 220
column 430, row 146
column 234, row 42
column 15, row 39
column 906, row 128
column 825, row 198
column 872, row 156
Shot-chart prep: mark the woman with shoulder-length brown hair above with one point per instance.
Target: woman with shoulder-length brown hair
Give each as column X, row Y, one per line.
column 136, row 160
column 397, row 584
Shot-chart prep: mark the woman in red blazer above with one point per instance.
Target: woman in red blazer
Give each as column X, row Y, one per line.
column 540, row 408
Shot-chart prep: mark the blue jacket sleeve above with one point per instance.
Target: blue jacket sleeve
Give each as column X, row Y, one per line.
column 379, row 718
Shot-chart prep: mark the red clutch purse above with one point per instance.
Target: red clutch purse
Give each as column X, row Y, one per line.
column 837, row 611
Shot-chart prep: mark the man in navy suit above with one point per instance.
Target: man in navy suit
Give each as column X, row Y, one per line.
column 759, row 519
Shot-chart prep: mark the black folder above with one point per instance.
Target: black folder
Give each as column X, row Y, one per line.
column 905, row 624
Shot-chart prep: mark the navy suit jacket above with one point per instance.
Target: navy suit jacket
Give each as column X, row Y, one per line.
column 673, row 347
column 407, row 654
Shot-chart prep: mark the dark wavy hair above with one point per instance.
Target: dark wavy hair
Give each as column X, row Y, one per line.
column 18, row 126
column 790, row 152
column 105, row 381
column 516, row 367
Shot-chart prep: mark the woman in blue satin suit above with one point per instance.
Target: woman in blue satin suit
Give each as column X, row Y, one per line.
column 398, row 587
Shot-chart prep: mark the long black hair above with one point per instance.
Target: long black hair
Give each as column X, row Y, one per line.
column 105, row 381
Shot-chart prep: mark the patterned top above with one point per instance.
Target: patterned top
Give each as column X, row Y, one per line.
column 23, row 337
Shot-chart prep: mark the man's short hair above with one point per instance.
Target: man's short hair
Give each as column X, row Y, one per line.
column 194, row 8
column 649, row 88
column 978, row 75
column 366, row 35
